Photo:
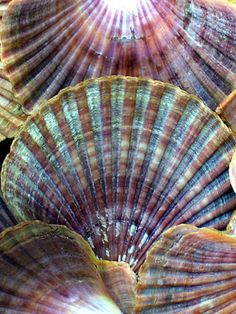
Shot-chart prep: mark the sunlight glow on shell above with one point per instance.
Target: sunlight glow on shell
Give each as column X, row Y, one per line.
column 123, row 5
column 49, row 45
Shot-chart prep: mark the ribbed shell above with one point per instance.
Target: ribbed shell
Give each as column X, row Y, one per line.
column 119, row 160
column 51, row 44
column 11, row 114
column 189, row 271
column 49, row 269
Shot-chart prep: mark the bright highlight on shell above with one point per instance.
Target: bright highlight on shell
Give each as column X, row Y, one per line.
column 122, row 5
column 232, row 172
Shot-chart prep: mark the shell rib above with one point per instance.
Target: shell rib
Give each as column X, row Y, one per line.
column 119, row 160
column 48, row 45
column 49, row 269
column 227, row 111
column 11, row 114
column 189, row 271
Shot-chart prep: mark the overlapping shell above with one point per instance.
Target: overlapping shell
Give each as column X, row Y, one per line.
column 48, row 45
column 11, row 114
column 120, row 160
column 189, row 271
column 49, row 269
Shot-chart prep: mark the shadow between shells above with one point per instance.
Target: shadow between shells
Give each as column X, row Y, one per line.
column 118, row 161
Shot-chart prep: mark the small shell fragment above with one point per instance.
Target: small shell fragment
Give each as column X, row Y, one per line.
column 227, row 111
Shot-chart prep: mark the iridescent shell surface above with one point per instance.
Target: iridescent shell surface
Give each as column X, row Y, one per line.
column 119, row 160
column 51, row 44
column 189, row 270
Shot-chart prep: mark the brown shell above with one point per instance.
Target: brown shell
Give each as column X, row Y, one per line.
column 51, row 44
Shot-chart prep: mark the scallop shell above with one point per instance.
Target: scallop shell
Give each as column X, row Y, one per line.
column 48, row 45
column 189, row 271
column 119, row 160
column 227, row 111
column 49, row 269
column 11, row 114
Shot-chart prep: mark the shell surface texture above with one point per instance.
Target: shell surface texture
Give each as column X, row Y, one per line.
column 12, row 116
column 189, row 271
column 51, row 44
column 227, row 111
column 49, row 269
column 6, row 217
column 119, row 160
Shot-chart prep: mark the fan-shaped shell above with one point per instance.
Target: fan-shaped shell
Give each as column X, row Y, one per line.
column 48, row 45
column 189, row 271
column 49, row 269
column 119, row 160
